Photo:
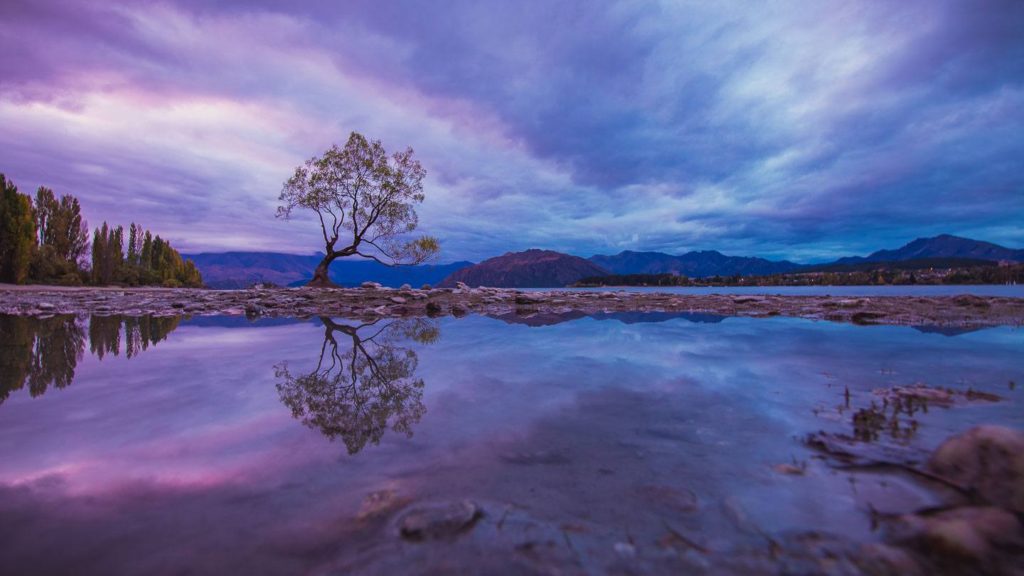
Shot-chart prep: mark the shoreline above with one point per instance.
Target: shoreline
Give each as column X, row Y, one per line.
column 377, row 301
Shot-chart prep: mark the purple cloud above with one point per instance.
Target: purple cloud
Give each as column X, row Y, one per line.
column 782, row 130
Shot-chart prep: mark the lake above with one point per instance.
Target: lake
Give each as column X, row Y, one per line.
column 649, row 443
column 1005, row 290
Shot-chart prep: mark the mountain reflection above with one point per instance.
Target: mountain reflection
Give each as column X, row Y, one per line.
column 44, row 352
column 362, row 385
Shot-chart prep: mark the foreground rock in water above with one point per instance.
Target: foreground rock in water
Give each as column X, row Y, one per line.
column 374, row 300
column 394, row 535
column 988, row 460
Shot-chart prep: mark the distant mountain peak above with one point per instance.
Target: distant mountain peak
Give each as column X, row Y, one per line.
column 533, row 268
column 941, row 246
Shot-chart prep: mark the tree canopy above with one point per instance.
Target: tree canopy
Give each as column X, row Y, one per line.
column 365, row 202
column 17, row 233
column 47, row 241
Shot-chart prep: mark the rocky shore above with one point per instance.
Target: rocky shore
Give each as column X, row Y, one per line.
column 373, row 300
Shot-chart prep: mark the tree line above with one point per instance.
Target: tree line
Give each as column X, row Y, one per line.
column 879, row 275
column 45, row 240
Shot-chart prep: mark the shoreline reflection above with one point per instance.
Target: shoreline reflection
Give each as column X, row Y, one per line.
column 45, row 352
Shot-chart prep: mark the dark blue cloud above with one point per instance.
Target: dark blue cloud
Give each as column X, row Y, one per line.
column 785, row 129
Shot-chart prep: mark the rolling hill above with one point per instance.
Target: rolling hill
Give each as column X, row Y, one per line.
column 530, row 269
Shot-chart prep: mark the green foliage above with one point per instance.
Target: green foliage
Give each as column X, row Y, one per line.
column 155, row 263
column 49, row 243
column 60, row 225
column 17, row 233
column 365, row 195
column 62, row 239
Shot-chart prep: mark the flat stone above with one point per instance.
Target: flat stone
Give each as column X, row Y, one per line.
column 438, row 521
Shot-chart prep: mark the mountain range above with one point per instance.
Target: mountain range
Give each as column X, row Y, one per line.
column 228, row 270
column 942, row 246
column 545, row 268
column 692, row 264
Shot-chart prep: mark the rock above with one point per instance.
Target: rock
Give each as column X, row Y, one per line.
column 405, row 287
column 988, row 459
column 876, row 558
column 971, row 300
column 371, row 285
column 524, row 298
column 461, row 286
column 438, row 521
column 178, row 305
column 967, row 533
column 45, row 306
column 397, row 299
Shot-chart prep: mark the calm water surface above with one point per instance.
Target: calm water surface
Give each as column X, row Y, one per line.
column 1006, row 290
column 216, row 446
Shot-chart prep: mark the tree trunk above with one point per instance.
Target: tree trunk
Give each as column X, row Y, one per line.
column 320, row 277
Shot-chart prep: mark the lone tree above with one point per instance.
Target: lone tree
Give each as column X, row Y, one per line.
column 368, row 197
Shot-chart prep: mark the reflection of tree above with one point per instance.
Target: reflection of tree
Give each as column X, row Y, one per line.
column 38, row 352
column 139, row 333
column 44, row 352
column 356, row 391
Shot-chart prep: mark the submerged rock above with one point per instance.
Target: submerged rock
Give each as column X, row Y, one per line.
column 968, row 534
column 438, row 521
column 987, row 459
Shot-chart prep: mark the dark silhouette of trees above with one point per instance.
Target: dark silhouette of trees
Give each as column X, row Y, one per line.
column 41, row 353
column 357, row 391
column 370, row 196
column 63, row 238
column 149, row 260
column 47, row 241
column 17, row 233
column 105, row 333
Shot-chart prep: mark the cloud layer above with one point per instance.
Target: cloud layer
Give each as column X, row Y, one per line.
column 778, row 129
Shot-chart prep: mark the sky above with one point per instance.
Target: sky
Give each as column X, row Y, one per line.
column 799, row 130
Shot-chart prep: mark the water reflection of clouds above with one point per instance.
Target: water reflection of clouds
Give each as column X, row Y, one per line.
column 584, row 412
